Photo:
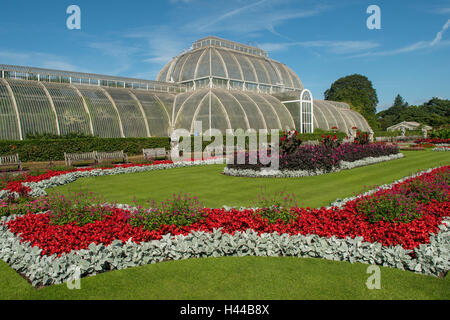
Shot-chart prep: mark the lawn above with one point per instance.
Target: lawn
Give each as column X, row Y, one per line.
column 243, row 277
column 215, row 189
column 237, row 278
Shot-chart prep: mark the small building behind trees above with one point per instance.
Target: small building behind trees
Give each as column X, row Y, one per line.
column 408, row 125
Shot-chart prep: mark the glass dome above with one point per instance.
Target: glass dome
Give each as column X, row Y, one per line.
column 222, row 59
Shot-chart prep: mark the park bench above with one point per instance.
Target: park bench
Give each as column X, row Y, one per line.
column 85, row 156
column 112, row 156
column 155, row 153
column 11, row 161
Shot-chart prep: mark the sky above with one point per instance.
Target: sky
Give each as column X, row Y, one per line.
column 320, row 40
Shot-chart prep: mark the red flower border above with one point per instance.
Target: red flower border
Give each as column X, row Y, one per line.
column 339, row 222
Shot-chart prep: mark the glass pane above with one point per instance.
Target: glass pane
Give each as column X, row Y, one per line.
column 130, row 113
column 72, row 116
column 9, row 128
column 157, row 118
column 286, row 119
column 187, row 111
column 234, row 110
column 260, row 71
column 105, row 120
column 253, row 113
column 232, row 67
column 190, row 66
column 247, row 69
column 203, row 65
column 217, row 65
column 266, row 109
column 35, row 112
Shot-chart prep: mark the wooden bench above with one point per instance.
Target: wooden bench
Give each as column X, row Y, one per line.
column 150, row 154
column 85, row 156
column 11, row 161
column 112, row 156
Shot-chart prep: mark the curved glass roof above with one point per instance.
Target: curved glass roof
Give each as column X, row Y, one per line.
column 230, row 109
column 329, row 114
column 217, row 58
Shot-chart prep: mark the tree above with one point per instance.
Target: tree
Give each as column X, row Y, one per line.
column 358, row 92
column 399, row 102
column 435, row 113
column 392, row 115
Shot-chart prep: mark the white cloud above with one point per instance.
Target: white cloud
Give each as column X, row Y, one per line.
column 420, row 45
column 441, row 10
column 337, row 47
column 438, row 37
column 253, row 17
column 37, row 59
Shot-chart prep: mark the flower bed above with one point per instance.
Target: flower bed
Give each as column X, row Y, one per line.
column 343, row 165
column 351, row 232
column 297, row 160
column 35, row 186
column 433, row 141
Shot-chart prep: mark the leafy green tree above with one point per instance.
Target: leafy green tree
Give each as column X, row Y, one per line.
column 435, row 113
column 358, row 92
column 392, row 116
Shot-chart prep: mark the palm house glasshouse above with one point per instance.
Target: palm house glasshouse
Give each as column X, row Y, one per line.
column 223, row 84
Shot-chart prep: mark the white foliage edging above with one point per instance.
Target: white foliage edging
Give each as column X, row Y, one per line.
column 441, row 149
column 344, row 165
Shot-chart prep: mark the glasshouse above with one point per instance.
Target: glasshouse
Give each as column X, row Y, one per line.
column 223, row 84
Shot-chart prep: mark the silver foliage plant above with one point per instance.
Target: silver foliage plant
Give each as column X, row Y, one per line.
column 432, row 258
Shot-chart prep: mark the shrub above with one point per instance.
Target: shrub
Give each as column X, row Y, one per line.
column 275, row 207
column 442, row 133
column 390, row 207
column 180, row 210
column 289, row 142
column 361, row 138
column 428, row 188
column 78, row 208
column 330, row 141
column 23, row 206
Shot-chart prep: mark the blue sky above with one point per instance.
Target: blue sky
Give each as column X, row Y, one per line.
column 320, row 40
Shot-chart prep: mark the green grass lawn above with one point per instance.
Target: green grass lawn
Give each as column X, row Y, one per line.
column 243, row 277
column 237, row 278
column 215, row 189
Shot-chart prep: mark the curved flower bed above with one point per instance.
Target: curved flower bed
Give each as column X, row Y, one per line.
column 45, row 252
column 296, row 160
column 341, row 223
column 343, row 165
column 35, row 186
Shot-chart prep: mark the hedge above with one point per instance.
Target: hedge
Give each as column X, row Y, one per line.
column 53, row 149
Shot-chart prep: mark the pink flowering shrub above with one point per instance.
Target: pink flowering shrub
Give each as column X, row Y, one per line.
column 180, row 210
